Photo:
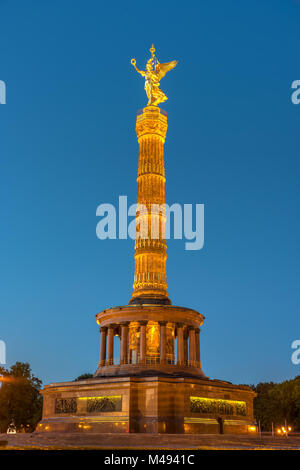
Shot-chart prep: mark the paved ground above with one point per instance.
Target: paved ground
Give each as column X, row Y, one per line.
column 144, row 441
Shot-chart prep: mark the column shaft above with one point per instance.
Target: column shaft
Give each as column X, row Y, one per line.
column 163, row 338
column 124, row 343
column 197, row 341
column 180, row 344
column 110, row 345
column 103, row 332
column 185, row 347
column 192, row 346
column 143, row 343
column 150, row 278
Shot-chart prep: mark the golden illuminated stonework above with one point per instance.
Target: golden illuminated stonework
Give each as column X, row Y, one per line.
column 149, row 377
column 153, row 74
column 150, row 278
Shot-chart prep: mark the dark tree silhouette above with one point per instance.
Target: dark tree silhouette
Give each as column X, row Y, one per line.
column 276, row 403
column 20, row 399
column 84, row 377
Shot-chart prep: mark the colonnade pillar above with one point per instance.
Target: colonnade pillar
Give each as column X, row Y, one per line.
column 103, row 331
column 124, row 343
column 110, row 345
column 163, row 339
column 197, row 341
column 192, row 346
column 188, row 344
column 180, row 344
column 143, row 343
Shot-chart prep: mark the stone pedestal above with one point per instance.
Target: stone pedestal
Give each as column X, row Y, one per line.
column 147, row 405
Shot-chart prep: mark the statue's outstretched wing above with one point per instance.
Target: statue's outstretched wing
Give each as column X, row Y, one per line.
column 162, row 69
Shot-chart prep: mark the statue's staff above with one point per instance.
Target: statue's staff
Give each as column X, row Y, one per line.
column 152, row 50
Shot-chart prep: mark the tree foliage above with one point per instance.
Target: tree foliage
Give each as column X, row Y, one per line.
column 84, row 377
column 20, row 399
column 277, row 403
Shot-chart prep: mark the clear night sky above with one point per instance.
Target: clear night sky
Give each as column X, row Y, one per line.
column 68, row 144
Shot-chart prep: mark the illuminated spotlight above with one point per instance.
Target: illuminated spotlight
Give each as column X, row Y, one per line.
column 252, row 428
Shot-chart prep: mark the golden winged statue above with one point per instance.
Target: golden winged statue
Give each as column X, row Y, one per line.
column 153, row 74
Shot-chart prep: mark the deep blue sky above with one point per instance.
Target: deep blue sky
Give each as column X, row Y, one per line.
column 68, row 144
